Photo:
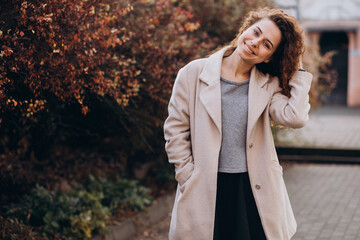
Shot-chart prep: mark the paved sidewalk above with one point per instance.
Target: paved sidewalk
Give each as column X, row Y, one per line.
column 332, row 127
column 325, row 200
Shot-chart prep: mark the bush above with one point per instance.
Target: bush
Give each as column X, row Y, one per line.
column 82, row 211
column 120, row 193
column 74, row 214
column 79, row 73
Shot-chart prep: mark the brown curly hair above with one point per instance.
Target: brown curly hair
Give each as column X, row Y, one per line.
column 285, row 61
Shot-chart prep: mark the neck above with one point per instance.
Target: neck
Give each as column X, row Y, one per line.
column 235, row 66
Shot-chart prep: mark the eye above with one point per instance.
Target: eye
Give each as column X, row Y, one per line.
column 256, row 32
column 267, row 45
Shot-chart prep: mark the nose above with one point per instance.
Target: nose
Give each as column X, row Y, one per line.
column 255, row 42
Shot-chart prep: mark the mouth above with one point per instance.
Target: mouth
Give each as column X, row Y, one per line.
column 248, row 48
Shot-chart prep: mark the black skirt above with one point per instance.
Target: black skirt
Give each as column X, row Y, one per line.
column 236, row 214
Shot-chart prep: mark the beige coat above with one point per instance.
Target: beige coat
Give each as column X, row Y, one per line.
column 193, row 139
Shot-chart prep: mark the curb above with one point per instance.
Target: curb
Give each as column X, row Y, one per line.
column 319, row 155
column 126, row 229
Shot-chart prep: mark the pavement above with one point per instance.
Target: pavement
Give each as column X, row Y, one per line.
column 332, row 127
column 325, row 197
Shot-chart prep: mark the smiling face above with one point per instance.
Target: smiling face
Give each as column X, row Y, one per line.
column 257, row 43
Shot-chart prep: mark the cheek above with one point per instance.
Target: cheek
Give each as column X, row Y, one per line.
column 268, row 54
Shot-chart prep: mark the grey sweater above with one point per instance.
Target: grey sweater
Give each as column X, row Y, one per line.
column 234, row 113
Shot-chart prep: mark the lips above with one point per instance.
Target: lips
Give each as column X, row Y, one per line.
column 248, row 49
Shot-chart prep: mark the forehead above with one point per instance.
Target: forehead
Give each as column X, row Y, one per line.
column 269, row 30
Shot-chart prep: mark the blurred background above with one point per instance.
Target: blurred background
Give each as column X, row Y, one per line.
column 84, row 87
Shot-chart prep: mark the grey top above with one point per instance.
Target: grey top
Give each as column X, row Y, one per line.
column 234, row 114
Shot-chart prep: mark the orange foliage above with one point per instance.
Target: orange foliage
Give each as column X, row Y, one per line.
column 75, row 48
column 77, row 72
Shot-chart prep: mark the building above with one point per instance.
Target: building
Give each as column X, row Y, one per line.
column 334, row 25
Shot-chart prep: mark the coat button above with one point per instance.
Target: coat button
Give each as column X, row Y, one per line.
column 250, row 145
column 257, row 187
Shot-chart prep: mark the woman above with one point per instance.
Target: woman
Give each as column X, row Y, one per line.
column 218, row 134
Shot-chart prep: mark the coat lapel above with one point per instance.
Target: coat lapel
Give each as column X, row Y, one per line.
column 210, row 93
column 258, row 97
column 210, row 97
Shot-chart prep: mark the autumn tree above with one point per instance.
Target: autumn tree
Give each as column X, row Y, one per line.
column 78, row 72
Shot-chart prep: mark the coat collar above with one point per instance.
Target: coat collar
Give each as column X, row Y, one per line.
column 210, row 96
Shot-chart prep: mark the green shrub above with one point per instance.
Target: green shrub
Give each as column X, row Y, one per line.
column 120, row 193
column 75, row 214
column 82, row 211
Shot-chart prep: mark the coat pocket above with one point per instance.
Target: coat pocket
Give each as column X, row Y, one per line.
column 183, row 176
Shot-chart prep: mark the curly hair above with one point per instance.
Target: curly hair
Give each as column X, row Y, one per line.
column 285, row 61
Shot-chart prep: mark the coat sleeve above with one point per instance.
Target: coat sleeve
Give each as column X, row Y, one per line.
column 294, row 111
column 177, row 129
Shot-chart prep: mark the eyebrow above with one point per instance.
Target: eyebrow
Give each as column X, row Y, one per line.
column 266, row 39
